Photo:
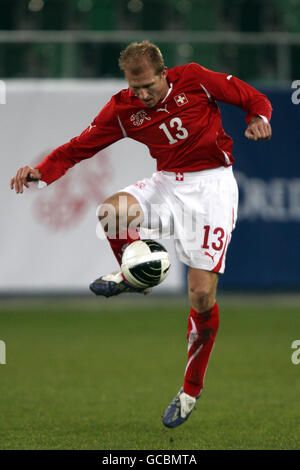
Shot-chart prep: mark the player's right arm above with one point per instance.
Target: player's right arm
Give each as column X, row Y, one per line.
column 23, row 176
column 102, row 132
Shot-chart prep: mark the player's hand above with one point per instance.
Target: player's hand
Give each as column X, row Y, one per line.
column 22, row 178
column 258, row 129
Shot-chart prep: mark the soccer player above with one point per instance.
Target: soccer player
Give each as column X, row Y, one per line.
column 175, row 113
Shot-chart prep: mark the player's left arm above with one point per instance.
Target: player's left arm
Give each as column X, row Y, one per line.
column 259, row 128
column 231, row 90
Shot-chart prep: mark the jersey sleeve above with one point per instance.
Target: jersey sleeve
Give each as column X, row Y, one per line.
column 229, row 89
column 102, row 132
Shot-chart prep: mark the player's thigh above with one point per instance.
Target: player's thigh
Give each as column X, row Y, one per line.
column 119, row 211
column 152, row 196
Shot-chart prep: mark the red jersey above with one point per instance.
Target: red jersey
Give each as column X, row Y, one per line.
column 183, row 131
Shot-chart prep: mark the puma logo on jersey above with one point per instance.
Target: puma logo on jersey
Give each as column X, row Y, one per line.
column 229, row 77
column 211, row 256
column 163, row 109
column 138, row 118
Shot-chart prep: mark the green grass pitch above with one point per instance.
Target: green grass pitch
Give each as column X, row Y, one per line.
column 98, row 375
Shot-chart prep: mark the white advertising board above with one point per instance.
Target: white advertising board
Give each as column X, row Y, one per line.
column 48, row 236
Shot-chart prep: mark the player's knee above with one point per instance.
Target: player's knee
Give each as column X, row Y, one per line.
column 200, row 291
column 201, row 296
column 117, row 212
column 109, row 215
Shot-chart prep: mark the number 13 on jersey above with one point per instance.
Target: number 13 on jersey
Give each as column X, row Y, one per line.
column 179, row 131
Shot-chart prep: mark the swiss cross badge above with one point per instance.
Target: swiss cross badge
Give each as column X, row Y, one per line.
column 179, row 176
column 181, row 99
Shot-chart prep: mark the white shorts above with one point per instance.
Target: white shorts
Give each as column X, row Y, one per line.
column 198, row 210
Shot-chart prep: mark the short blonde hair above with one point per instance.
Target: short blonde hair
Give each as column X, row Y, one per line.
column 137, row 54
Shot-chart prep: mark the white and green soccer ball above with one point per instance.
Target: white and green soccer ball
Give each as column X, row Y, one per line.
column 145, row 263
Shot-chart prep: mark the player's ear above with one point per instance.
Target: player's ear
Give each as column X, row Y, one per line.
column 164, row 73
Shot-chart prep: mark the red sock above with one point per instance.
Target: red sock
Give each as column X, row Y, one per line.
column 121, row 241
column 202, row 330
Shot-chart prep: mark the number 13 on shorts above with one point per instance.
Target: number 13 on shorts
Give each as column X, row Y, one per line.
column 219, row 233
column 215, row 242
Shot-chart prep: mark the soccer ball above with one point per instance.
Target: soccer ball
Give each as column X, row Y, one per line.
column 145, row 263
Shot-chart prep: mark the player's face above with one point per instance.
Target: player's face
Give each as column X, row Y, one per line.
column 148, row 86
